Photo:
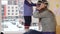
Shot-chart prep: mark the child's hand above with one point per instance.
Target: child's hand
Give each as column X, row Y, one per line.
column 29, row 1
column 38, row 7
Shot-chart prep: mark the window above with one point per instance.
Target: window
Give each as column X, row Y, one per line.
column 16, row 7
column 12, row 7
column 8, row 7
column 17, row 17
column 2, row 11
column 8, row 13
column 16, row 10
column 16, row 13
column 8, row 10
column 12, row 10
column 2, row 8
column 2, row 14
column 12, row 13
column 15, row 3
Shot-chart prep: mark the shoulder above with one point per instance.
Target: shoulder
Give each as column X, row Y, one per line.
column 50, row 12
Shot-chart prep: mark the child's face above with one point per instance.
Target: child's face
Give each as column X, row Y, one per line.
column 41, row 6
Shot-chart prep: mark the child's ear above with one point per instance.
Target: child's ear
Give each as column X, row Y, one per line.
column 45, row 5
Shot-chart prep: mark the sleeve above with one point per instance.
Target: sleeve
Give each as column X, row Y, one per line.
column 36, row 14
column 29, row 4
column 33, row 4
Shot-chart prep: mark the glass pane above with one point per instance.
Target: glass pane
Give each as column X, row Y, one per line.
column 13, row 16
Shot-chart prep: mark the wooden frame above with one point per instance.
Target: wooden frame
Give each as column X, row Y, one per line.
column 0, row 15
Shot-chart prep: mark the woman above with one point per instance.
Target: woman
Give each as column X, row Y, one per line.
column 47, row 18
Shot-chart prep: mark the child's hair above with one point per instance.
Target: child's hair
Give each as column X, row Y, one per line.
column 39, row 2
column 43, row 1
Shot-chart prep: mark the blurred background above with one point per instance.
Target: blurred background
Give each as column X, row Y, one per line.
column 12, row 15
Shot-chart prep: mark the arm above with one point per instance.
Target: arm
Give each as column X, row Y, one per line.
column 29, row 3
column 33, row 4
column 36, row 14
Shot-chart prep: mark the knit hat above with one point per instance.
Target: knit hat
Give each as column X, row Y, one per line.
column 43, row 1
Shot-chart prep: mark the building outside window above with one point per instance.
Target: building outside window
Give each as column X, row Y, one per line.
column 8, row 13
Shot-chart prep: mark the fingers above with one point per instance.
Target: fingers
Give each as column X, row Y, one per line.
column 39, row 7
column 29, row 1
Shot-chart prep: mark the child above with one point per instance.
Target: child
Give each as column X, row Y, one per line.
column 28, row 9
